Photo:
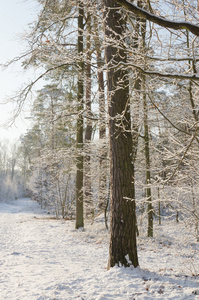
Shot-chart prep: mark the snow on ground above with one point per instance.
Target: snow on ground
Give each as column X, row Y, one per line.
column 43, row 258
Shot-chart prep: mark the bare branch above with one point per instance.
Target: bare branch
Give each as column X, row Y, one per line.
column 16, row 59
column 156, row 73
column 159, row 20
column 183, row 156
column 173, row 59
column 168, row 120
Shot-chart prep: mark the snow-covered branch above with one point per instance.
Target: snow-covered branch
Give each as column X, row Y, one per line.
column 159, row 20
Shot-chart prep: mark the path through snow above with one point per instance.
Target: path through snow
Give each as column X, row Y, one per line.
column 43, row 258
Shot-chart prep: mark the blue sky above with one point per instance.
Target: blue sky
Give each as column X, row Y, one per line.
column 15, row 15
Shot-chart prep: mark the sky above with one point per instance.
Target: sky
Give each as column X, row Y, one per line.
column 15, row 17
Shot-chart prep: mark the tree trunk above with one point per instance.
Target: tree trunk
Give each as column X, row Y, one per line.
column 123, row 248
column 103, row 166
column 79, row 136
column 142, row 24
column 88, row 133
column 148, row 169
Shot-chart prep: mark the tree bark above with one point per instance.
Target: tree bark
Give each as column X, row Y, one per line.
column 123, row 248
column 79, row 135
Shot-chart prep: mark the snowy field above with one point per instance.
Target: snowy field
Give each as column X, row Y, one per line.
column 43, row 258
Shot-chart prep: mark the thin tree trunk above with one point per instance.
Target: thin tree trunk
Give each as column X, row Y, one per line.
column 102, row 122
column 123, row 248
column 88, row 133
column 190, row 87
column 142, row 25
column 148, row 169
column 103, row 166
column 159, row 206
column 79, row 136
column 191, row 66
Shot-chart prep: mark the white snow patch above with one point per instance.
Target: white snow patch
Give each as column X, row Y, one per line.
column 43, row 258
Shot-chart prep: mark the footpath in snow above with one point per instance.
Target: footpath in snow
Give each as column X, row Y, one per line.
column 43, row 258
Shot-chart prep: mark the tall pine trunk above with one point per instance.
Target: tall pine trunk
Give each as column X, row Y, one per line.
column 123, row 248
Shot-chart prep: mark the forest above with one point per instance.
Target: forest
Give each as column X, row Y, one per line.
column 115, row 122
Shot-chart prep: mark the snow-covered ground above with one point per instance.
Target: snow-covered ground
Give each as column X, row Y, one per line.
column 43, row 258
